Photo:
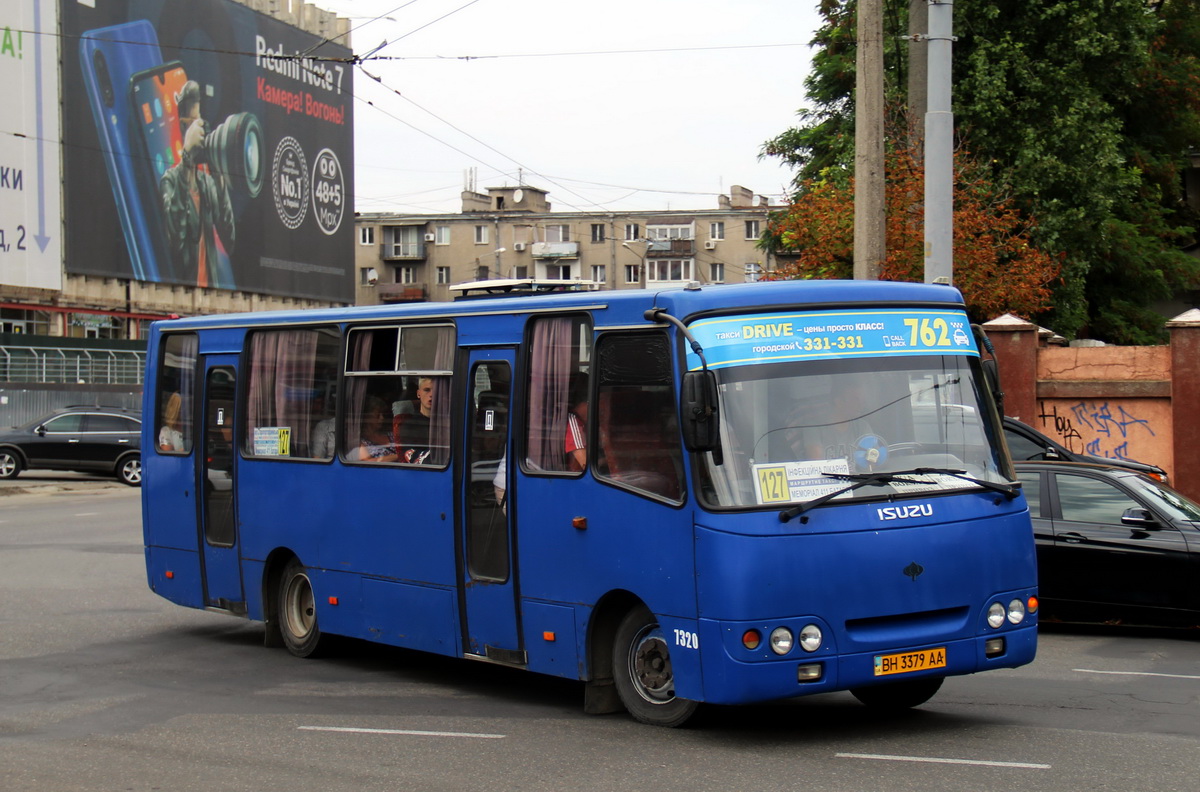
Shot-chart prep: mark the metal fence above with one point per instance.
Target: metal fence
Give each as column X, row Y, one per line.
column 20, row 405
column 77, row 366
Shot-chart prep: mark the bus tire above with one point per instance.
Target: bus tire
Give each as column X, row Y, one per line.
column 642, row 672
column 899, row 695
column 298, row 611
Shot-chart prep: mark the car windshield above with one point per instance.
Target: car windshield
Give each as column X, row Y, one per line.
column 795, row 431
column 1165, row 499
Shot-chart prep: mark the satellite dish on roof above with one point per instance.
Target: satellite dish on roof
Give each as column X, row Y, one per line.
column 518, row 194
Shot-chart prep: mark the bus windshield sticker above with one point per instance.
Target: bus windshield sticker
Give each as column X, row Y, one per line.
column 821, row 335
column 789, row 482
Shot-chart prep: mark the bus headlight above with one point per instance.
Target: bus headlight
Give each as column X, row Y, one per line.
column 781, row 640
column 996, row 614
column 810, row 638
column 1016, row 612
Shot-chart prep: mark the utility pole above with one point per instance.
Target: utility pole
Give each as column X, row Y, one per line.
column 869, row 205
column 939, row 147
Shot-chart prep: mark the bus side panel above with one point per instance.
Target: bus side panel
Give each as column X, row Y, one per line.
column 175, row 575
column 169, row 498
column 551, row 640
column 414, row 617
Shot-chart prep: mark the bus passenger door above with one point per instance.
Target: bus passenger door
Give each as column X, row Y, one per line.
column 218, row 514
column 488, row 569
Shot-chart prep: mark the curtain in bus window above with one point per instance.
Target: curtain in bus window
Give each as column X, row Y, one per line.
column 356, row 387
column 440, row 423
column 550, row 380
column 282, row 393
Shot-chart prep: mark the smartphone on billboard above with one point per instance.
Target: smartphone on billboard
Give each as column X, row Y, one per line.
column 110, row 57
column 156, row 117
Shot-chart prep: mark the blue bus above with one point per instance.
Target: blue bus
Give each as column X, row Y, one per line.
column 722, row 494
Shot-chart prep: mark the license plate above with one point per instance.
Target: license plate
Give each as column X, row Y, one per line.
column 906, row 662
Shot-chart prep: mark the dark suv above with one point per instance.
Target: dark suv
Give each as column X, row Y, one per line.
column 86, row 439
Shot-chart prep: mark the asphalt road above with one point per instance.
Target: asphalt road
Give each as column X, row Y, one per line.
column 104, row 686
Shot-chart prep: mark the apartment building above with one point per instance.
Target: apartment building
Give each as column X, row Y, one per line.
column 512, row 232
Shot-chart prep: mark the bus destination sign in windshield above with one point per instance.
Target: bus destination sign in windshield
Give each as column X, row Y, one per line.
column 816, row 335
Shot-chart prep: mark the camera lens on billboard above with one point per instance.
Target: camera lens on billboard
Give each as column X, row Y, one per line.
column 234, row 148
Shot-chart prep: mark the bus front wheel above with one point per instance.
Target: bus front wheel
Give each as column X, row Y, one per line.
column 642, row 672
column 898, row 695
column 298, row 611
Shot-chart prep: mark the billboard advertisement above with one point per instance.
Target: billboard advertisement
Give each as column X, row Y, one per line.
column 206, row 144
column 30, row 181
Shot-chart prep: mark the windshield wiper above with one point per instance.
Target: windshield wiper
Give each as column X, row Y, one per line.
column 858, row 479
column 863, row 479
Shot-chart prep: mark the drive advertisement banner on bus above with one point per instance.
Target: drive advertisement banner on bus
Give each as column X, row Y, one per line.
column 208, row 145
column 818, row 335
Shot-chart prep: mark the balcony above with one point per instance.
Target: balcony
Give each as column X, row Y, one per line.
column 554, row 250
column 403, row 251
column 671, row 248
column 401, row 292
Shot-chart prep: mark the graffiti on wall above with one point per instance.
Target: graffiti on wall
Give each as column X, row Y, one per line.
column 1110, row 427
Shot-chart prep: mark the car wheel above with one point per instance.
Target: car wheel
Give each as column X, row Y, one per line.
column 10, row 464
column 130, row 470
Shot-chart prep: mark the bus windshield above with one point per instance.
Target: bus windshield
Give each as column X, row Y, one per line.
column 803, row 427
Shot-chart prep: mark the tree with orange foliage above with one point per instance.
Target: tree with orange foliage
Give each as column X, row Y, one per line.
column 994, row 265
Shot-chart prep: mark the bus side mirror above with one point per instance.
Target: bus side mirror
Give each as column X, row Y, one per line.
column 701, row 425
column 992, row 375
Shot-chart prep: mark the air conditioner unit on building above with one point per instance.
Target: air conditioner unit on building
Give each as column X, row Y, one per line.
column 519, row 247
column 431, row 237
column 710, row 244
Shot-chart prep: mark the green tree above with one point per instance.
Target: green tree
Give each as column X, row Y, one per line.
column 1085, row 108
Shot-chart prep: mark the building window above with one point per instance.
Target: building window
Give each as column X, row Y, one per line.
column 633, row 273
column 481, row 235
column 753, row 271
column 366, row 235
column 560, row 232
column 598, row 273
column 521, row 271
column 597, row 232
column 672, row 270
column 406, row 275
column 753, row 229
column 367, row 276
column 716, row 230
column 558, row 272
column 442, row 235
column 717, row 272
column 19, row 320
column 403, row 242
column 632, row 231
column 443, row 276
column 670, row 232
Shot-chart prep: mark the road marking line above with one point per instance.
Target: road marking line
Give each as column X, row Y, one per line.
column 1136, row 673
column 87, row 514
column 936, row 760
column 408, row 732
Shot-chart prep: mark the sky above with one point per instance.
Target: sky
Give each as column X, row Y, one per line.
column 623, row 105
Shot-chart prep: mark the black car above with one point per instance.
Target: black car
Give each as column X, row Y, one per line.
column 1113, row 545
column 1027, row 444
column 86, row 439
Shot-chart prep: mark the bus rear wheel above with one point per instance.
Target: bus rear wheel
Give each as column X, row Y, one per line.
column 298, row 611
column 642, row 672
column 899, row 695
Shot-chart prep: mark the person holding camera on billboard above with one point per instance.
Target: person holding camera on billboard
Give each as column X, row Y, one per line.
column 196, row 203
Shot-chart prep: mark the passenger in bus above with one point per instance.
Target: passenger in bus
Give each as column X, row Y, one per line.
column 575, row 445
column 377, row 443
column 170, row 436
column 411, row 430
column 323, row 432
column 834, row 429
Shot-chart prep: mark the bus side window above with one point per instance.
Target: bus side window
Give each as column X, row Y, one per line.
column 176, row 393
column 292, row 385
column 638, row 431
column 558, row 418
